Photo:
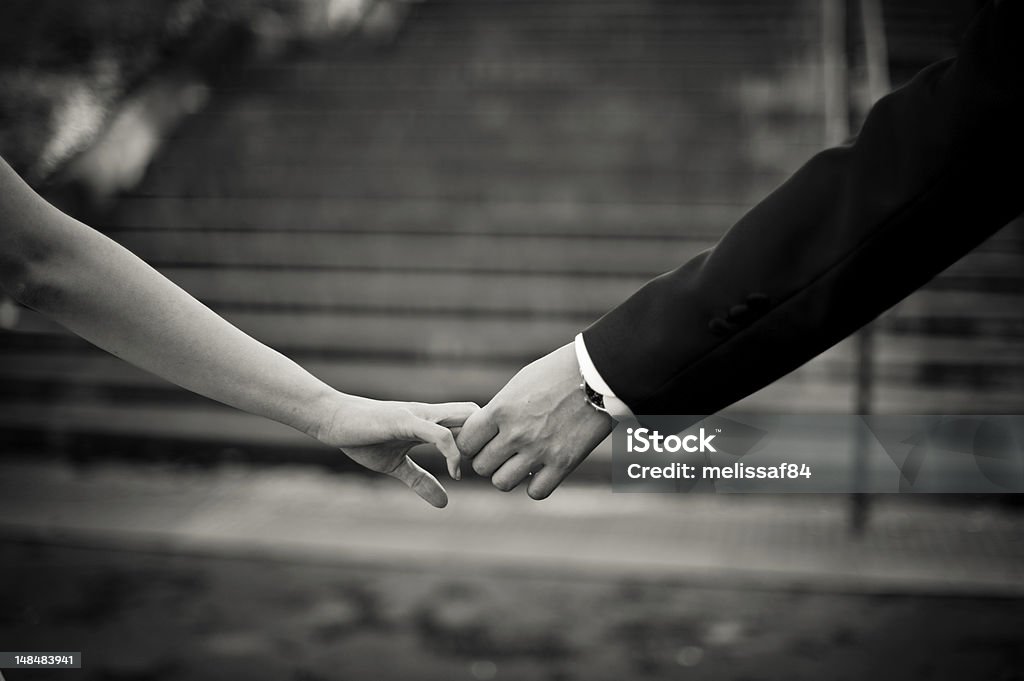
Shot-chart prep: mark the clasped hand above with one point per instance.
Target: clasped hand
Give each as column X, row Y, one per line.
column 538, row 426
column 378, row 435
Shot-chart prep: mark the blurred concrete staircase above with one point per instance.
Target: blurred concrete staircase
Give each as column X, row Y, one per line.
column 420, row 219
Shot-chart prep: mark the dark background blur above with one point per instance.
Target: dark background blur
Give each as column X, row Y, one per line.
column 414, row 200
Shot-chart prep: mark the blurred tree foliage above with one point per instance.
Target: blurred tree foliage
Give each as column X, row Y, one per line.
column 64, row 64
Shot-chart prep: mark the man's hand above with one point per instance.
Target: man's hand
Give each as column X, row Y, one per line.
column 538, row 423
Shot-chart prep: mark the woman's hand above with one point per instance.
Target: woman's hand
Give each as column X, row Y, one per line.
column 378, row 435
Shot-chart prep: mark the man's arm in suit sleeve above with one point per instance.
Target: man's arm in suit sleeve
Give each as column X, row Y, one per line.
column 938, row 166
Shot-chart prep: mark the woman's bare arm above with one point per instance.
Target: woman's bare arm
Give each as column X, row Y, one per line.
column 104, row 293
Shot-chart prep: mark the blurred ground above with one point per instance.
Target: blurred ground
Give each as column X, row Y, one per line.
column 157, row 573
column 157, row 616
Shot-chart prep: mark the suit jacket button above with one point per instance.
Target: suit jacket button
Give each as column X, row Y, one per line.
column 739, row 313
column 758, row 301
column 720, row 327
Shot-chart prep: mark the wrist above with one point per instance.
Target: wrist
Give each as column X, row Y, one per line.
column 598, row 392
column 327, row 412
column 575, row 383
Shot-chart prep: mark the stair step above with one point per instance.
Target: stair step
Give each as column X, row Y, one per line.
column 516, row 254
column 700, row 220
column 508, row 157
column 368, row 335
column 670, row 76
column 613, row 23
column 622, row 127
column 418, row 252
column 483, row 185
column 514, row 341
column 555, row 33
column 523, row 94
column 653, row 152
column 96, row 376
column 164, row 421
column 529, row 102
column 493, row 40
column 491, row 118
column 467, row 292
column 686, row 222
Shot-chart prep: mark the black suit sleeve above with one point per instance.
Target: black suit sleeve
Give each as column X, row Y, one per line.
column 937, row 167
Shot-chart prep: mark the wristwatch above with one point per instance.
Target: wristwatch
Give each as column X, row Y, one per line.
column 593, row 398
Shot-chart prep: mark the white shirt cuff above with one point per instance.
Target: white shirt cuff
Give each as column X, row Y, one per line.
column 616, row 407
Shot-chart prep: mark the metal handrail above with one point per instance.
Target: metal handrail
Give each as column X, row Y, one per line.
column 877, row 85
